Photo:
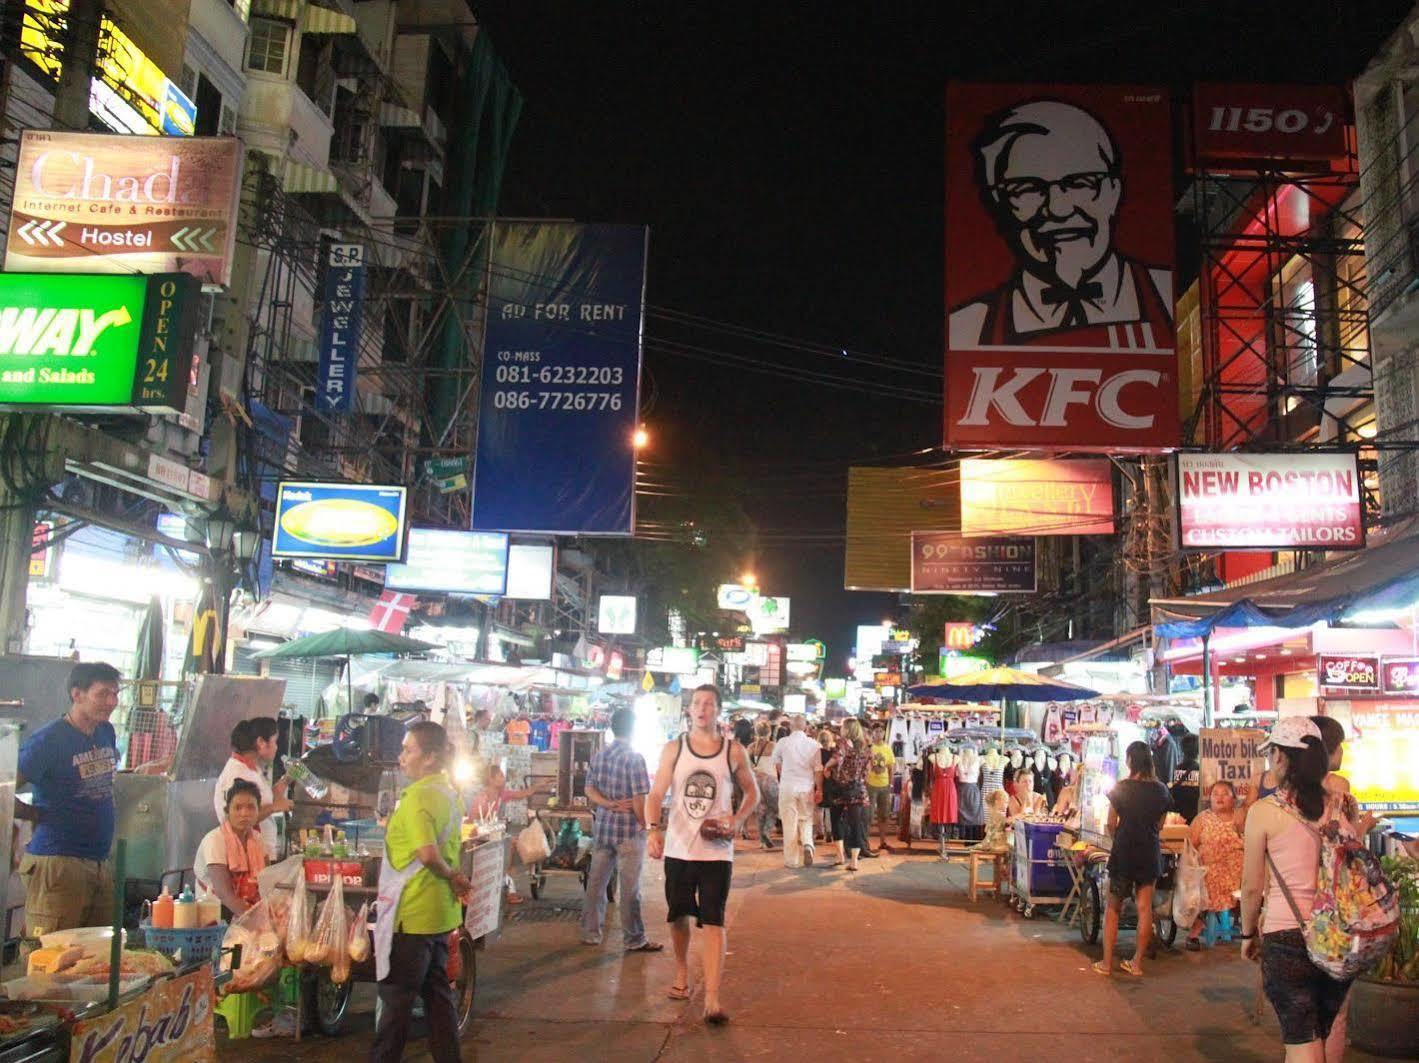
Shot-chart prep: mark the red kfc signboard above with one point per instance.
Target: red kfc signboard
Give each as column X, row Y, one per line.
column 1059, row 268
column 1271, row 123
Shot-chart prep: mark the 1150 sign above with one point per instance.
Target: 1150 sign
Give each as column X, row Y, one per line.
column 96, row 342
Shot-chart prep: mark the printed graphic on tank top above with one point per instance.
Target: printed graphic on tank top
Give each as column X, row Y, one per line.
column 701, row 789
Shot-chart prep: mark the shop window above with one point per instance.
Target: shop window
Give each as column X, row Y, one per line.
column 270, row 41
column 209, row 106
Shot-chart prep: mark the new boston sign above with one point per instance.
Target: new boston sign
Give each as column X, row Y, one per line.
column 96, row 342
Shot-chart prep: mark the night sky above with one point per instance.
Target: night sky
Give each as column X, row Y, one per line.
column 789, row 164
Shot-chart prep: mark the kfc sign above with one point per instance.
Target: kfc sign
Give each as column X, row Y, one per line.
column 1059, row 268
column 1339, row 671
column 1238, row 501
column 1238, row 123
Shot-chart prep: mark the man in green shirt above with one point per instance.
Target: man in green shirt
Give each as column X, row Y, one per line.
column 420, row 891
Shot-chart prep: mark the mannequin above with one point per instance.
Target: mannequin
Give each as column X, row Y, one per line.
column 971, row 814
column 1012, row 769
column 941, row 770
column 1044, row 781
column 992, row 772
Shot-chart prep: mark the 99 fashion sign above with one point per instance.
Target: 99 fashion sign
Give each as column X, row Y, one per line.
column 1059, row 268
column 943, row 563
column 561, row 379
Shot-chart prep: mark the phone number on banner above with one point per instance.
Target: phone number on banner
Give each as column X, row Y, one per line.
column 560, row 374
column 557, row 400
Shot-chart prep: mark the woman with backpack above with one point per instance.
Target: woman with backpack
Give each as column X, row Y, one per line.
column 1280, row 864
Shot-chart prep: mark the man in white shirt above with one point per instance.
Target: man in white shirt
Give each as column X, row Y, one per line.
column 800, row 788
column 253, row 750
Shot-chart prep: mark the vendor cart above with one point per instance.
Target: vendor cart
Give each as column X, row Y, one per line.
column 1040, row 876
column 485, row 863
column 551, row 821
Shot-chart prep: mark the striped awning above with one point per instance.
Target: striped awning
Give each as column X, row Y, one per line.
column 324, row 20
column 301, row 178
column 287, row 9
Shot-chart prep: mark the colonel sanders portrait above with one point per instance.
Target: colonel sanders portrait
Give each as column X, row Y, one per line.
column 1051, row 176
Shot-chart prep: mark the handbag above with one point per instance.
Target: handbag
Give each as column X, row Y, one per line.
column 532, row 845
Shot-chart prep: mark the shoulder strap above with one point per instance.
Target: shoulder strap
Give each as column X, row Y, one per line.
column 1285, row 890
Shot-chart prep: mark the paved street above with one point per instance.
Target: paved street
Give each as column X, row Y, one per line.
column 892, row 963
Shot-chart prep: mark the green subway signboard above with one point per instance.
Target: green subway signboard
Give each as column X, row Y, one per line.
column 107, row 342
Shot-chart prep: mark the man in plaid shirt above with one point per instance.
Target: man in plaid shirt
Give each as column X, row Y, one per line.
column 616, row 785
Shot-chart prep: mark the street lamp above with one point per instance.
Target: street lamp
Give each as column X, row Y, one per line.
column 641, row 439
column 749, row 579
column 221, row 528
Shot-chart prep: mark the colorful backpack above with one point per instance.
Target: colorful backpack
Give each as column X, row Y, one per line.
column 1354, row 919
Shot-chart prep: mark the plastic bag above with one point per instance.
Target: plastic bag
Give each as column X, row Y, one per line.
column 256, row 930
column 330, row 940
column 359, row 944
column 532, row 844
column 272, row 877
column 298, row 923
column 1189, row 890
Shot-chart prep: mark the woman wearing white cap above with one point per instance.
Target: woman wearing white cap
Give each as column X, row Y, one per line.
column 1281, row 840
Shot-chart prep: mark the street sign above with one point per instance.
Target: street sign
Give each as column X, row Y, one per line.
column 89, row 342
column 101, row 203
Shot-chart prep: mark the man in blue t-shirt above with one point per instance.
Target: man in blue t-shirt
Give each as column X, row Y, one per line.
column 70, row 764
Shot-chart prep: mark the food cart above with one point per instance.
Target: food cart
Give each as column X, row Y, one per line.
column 1088, row 855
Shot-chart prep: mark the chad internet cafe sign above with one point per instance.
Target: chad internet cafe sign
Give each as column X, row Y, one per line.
column 104, row 203
column 97, row 342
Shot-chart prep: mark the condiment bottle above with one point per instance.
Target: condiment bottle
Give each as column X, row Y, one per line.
column 184, row 910
column 209, row 910
column 162, row 911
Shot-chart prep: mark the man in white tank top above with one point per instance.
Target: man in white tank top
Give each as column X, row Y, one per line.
column 697, row 839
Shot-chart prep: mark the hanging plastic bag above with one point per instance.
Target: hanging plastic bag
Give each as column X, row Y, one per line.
column 359, row 943
column 256, row 932
column 298, row 923
column 532, row 844
column 1189, row 890
column 330, row 940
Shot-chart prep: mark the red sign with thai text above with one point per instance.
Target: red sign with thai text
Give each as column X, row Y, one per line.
column 1233, row 122
column 1059, row 268
column 1348, row 671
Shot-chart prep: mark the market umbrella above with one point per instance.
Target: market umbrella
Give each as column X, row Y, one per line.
column 148, row 663
column 997, row 684
column 347, row 642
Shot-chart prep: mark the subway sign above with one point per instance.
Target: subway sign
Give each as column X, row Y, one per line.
column 82, row 341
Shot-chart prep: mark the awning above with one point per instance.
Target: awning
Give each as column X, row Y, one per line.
column 1383, row 576
column 286, row 9
column 323, row 20
column 298, row 177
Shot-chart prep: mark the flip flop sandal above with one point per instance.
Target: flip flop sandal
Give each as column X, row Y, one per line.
column 1099, row 968
column 649, row 946
column 1132, row 968
column 716, row 1018
column 1193, row 945
column 678, row 992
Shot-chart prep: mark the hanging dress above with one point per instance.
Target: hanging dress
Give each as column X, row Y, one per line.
column 943, row 794
column 969, row 810
column 1054, row 726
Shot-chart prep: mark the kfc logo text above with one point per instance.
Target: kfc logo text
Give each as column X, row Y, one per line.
column 993, row 391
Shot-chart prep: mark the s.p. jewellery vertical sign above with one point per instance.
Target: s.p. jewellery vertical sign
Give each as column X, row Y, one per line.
column 169, row 1023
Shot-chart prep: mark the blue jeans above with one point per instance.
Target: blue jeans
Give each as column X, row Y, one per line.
column 628, row 857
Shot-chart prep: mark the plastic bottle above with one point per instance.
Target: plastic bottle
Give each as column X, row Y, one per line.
column 162, row 911
column 209, row 910
column 184, row 910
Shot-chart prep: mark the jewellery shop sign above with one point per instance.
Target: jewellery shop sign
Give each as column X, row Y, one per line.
column 170, row 1023
column 97, row 342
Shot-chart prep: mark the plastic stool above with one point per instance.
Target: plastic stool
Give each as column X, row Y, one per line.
column 288, row 987
column 240, row 1011
column 1217, row 926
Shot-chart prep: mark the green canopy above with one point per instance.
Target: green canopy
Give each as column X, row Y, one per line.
column 346, row 642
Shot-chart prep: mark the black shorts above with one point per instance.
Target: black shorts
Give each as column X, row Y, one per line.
column 1123, row 887
column 1306, row 999
column 698, row 889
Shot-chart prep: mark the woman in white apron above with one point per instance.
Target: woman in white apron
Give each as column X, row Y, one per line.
column 420, row 892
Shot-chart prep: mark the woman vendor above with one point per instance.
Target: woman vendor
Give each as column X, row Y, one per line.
column 1216, row 833
column 232, row 853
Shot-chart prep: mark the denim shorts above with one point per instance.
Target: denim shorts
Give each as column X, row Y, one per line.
column 1306, row 999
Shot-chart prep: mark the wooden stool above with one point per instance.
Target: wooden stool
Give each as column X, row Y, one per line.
column 996, row 859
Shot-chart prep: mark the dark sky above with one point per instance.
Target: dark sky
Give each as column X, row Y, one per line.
column 789, row 164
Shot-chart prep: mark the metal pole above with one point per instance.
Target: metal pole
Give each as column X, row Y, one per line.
column 1206, row 680
column 115, row 949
